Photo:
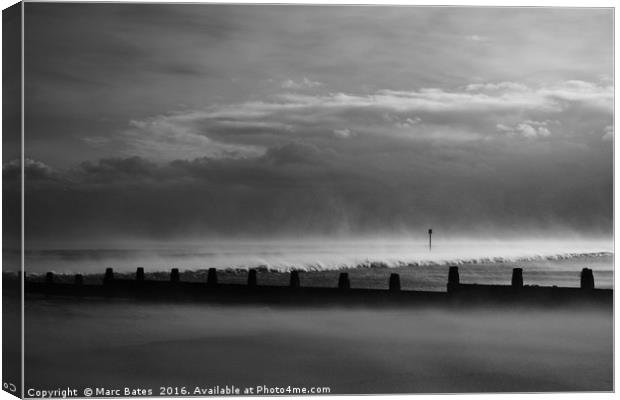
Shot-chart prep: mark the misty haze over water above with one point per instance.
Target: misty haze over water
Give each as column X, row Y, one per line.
column 308, row 254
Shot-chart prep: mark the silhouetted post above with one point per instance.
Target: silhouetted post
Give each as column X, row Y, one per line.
column 343, row 281
column 294, row 283
column 587, row 279
column 140, row 274
column 212, row 277
column 109, row 275
column 174, row 275
column 430, row 239
column 252, row 278
column 394, row 283
column 49, row 283
column 453, row 279
column 79, row 280
column 517, row 278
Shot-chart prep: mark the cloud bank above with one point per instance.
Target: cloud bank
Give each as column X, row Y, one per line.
column 163, row 121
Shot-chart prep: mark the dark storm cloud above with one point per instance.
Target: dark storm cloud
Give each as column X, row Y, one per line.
column 92, row 68
column 301, row 189
column 33, row 170
column 181, row 120
column 116, row 169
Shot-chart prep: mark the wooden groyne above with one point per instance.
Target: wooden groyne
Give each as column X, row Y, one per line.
column 456, row 292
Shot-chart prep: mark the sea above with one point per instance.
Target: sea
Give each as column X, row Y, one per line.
column 545, row 262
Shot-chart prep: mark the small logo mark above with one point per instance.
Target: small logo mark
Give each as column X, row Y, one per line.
column 9, row 386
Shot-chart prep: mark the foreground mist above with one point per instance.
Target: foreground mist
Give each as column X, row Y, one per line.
column 350, row 350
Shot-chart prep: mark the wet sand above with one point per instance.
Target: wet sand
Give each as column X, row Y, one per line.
column 96, row 343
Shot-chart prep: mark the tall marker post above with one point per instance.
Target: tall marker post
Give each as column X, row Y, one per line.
column 430, row 239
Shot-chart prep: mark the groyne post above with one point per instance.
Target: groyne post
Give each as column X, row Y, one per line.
column 252, row 278
column 174, row 275
column 453, row 279
column 343, row 281
column 587, row 279
column 49, row 283
column 517, row 278
column 212, row 277
column 140, row 274
column 394, row 283
column 294, row 282
column 79, row 280
column 109, row 275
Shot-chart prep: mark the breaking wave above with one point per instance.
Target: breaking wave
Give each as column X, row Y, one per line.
column 310, row 256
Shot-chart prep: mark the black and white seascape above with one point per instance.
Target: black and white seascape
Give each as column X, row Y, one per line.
column 312, row 175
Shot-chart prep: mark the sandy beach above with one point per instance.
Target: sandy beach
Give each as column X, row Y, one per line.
column 96, row 343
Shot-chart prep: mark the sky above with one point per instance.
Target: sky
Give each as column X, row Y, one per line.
column 174, row 121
